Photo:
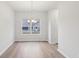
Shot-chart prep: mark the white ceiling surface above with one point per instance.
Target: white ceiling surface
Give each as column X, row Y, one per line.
column 32, row 5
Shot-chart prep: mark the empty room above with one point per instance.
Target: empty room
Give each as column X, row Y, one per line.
column 39, row 29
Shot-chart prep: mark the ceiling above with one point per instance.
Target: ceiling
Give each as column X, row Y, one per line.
column 32, row 5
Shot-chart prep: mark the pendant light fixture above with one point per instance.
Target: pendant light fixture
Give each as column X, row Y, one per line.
column 31, row 18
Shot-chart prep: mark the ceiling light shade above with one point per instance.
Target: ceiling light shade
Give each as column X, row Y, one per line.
column 28, row 21
column 34, row 21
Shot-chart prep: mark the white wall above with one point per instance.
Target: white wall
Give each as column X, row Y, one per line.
column 68, row 29
column 43, row 36
column 6, row 27
column 52, row 30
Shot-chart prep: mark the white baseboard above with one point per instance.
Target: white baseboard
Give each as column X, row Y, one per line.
column 6, row 48
column 62, row 53
column 31, row 40
column 51, row 42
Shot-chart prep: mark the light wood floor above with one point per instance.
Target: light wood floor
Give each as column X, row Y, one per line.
column 32, row 50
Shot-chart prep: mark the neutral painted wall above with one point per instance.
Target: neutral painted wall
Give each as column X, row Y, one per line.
column 68, row 29
column 52, row 30
column 6, row 26
column 43, row 36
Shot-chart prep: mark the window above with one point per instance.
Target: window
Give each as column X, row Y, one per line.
column 26, row 26
column 35, row 26
column 31, row 26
